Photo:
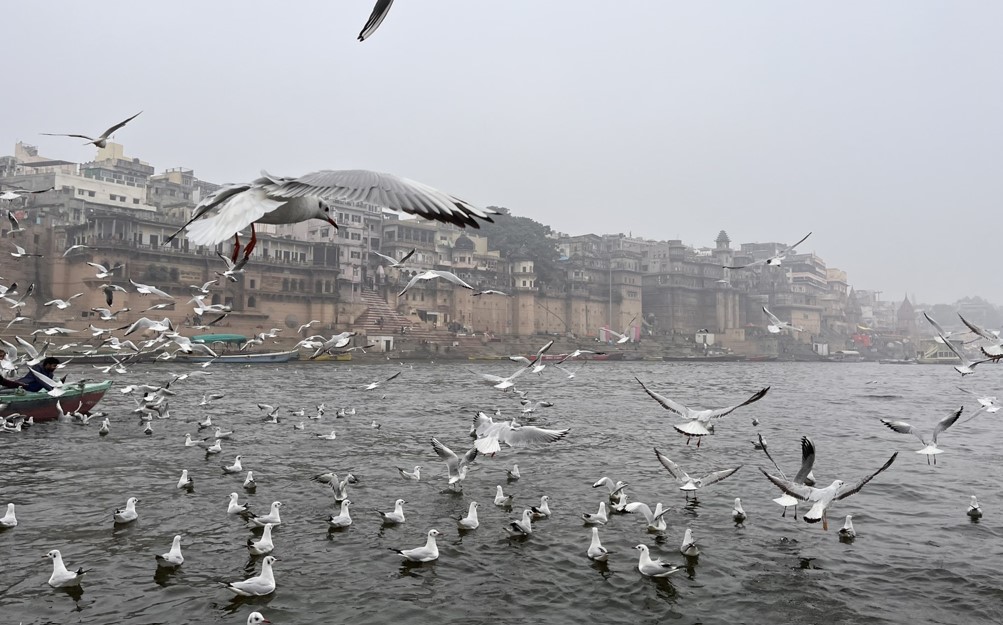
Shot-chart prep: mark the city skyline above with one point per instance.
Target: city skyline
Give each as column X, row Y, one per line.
column 867, row 124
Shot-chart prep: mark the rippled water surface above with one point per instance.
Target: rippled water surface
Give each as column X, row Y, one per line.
column 917, row 557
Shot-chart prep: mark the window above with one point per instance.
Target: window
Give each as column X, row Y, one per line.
column 135, row 200
column 356, row 254
column 356, row 219
column 302, row 257
column 326, row 232
column 524, row 283
column 356, row 236
column 90, row 194
column 251, row 283
column 251, row 302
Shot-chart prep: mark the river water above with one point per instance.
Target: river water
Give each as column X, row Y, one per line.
column 917, row 557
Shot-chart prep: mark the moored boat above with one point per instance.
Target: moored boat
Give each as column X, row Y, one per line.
column 42, row 406
column 243, row 358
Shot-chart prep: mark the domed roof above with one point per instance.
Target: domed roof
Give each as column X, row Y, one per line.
column 722, row 237
column 464, row 244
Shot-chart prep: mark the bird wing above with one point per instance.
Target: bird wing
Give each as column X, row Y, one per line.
column 954, row 349
column 235, row 213
column 773, row 318
column 531, row 434
column 666, row 403
column 393, row 376
column 481, row 423
column 672, row 467
column 720, row 412
column 407, row 256
column 392, row 260
column 634, row 506
column 108, row 133
column 752, row 264
column 791, row 248
column 798, row 491
column 762, row 444
column 847, row 491
column 61, row 134
column 452, row 277
column 386, row 190
column 421, row 276
column 452, row 460
column 936, row 326
column 375, row 18
column 717, row 476
column 982, row 332
column 807, row 460
column 946, row 422
column 904, row 428
column 522, row 359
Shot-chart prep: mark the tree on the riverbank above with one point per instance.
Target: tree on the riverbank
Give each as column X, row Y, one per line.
column 521, row 236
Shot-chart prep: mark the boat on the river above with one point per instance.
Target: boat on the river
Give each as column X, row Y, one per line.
column 42, row 406
column 223, row 344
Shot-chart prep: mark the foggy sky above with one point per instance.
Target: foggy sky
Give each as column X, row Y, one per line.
column 877, row 125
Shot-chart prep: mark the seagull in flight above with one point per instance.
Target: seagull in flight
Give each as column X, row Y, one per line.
column 776, row 325
column 62, row 304
column 699, row 420
column 376, row 384
column 19, row 252
column 772, row 261
column 375, row 18
column 14, row 194
column 804, row 474
column 967, row 366
column 104, row 272
column 432, row 274
column 688, row 483
column 101, row 141
column 394, row 262
column 822, row 498
column 145, row 289
column 287, row 200
column 930, row 448
column 456, row 466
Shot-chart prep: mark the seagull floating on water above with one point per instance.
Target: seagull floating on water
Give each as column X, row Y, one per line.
column 470, row 521
column 738, row 514
column 263, row 546
column 974, row 510
column 258, row 586
column 655, row 519
column 596, row 551
column 342, row 520
column 396, row 517
column 426, row 553
column 847, row 532
column 653, row 568
column 172, row 558
column 542, row 511
column 8, row 520
column 689, row 547
column 272, row 516
column 127, row 514
column 61, row 577
column 599, row 518
column 501, row 499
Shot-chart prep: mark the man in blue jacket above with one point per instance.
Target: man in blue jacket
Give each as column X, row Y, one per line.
column 33, row 384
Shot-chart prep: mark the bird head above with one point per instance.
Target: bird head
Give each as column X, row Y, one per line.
column 324, row 212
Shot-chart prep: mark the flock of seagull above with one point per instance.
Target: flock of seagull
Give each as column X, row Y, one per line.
column 489, row 435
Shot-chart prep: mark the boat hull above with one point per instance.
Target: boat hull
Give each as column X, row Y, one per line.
column 42, row 406
column 243, row 359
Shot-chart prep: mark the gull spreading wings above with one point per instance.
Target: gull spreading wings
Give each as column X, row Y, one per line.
column 393, row 261
column 804, row 474
column 776, row 325
column 929, row 447
column 285, row 200
column 698, row 419
column 432, row 274
column 687, row 483
column 490, row 435
column 772, row 261
column 456, row 466
column 101, row 141
column 823, row 497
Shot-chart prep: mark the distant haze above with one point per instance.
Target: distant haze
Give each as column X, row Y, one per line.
column 877, row 125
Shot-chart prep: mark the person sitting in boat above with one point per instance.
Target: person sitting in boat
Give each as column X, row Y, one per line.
column 4, row 382
column 31, row 383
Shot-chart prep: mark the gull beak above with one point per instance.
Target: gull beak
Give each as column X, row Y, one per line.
column 331, row 221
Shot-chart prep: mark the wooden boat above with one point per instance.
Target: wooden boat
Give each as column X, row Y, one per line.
column 42, row 406
column 243, row 358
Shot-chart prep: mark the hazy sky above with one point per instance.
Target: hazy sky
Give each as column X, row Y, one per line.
column 877, row 125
